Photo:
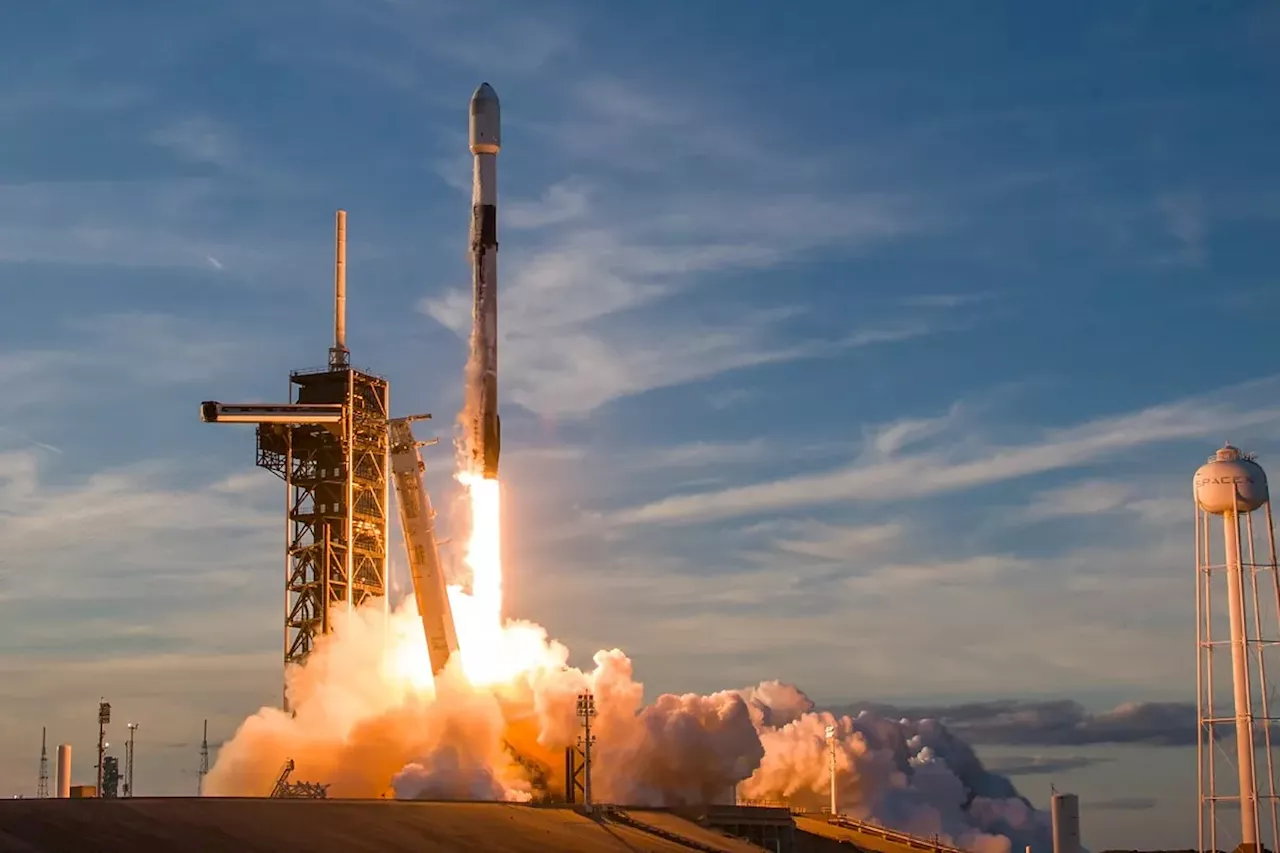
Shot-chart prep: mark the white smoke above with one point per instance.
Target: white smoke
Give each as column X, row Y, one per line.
column 368, row 721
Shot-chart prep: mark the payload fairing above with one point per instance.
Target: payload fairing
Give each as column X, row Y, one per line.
column 484, row 429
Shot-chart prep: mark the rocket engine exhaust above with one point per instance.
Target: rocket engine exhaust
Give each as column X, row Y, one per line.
column 483, row 427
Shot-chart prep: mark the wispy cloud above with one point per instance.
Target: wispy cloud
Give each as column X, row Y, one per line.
column 199, row 139
column 901, row 476
column 837, row 543
column 137, row 514
column 151, row 348
column 1100, row 497
column 1186, row 221
column 563, row 202
column 702, row 453
column 396, row 44
column 1086, row 498
column 731, row 397
column 162, row 223
column 80, row 96
column 946, row 300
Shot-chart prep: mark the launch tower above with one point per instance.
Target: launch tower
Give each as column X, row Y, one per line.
column 1237, row 553
column 329, row 444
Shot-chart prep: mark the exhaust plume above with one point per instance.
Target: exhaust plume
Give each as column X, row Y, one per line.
column 371, row 721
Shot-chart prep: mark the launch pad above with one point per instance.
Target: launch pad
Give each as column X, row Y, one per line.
column 333, row 445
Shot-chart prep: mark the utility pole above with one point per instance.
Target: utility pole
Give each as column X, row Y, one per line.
column 104, row 717
column 42, row 788
column 586, row 712
column 204, row 761
column 831, row 761
column 128, row 761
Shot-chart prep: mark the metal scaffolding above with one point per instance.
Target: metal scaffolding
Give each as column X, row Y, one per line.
column 336, row 555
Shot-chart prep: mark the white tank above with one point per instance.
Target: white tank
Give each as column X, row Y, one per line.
column 64, row 771
column 1065, row 812
column 1230, row 481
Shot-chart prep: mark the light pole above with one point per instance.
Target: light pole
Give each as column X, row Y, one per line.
column 128, row 761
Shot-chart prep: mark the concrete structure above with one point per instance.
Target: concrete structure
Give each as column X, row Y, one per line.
column 64, row 771
column 214, row 825
column 859, row 835
column 770, row 828
column 83, row 792
column 329, row 445
column 1235, row 548
column 1065, row 811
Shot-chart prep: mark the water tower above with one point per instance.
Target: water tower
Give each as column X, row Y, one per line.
column 1235, row 550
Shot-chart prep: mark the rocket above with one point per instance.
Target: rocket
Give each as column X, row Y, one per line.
column 482, row 371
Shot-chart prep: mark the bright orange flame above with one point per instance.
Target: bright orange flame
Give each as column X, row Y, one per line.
column 493, row 652
column 408, row 661
column 478, row 616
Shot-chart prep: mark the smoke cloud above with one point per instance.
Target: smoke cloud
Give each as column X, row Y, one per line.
column 369, row 721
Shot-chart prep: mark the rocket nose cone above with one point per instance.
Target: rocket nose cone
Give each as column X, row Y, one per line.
column 486, row 121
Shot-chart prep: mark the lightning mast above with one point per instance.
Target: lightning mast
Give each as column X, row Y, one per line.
column 329, row 445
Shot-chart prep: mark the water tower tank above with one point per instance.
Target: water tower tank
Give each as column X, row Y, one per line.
column 1230, row 480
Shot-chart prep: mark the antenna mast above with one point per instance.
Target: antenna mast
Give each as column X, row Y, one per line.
column 42, row 789
column 204, row 761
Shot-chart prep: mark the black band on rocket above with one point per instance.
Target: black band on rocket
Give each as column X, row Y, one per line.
column 489, row 225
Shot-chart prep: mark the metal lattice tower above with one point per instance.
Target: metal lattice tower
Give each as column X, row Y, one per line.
column 1237, row 625
column 586, row 713
column 42, row 787
column 104, row 717
column 337, row 481
column 329, row 444
column 204, row 761
column 110, row 778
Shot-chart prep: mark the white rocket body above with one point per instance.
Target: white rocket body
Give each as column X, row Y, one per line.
column 484, row 438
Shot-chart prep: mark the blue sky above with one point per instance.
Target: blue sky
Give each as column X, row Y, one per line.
column 869, row 347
